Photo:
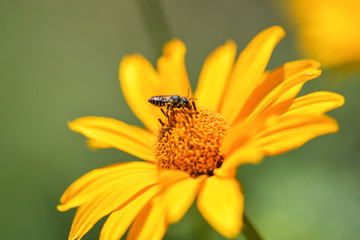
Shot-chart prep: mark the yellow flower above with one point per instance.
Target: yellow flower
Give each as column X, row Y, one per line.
column 328, row 30
column 242, row 113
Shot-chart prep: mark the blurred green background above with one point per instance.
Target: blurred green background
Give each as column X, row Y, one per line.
column 59, row 61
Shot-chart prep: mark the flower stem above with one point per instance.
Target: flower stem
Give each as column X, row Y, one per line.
column 155, row 23
column 249, row 230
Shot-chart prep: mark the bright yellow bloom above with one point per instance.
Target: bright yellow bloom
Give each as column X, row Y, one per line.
column 328, row 30
column 243, row 113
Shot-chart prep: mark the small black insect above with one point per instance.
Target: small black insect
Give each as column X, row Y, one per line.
column 171, row 102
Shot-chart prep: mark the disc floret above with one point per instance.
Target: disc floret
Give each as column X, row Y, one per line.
column 190, row 140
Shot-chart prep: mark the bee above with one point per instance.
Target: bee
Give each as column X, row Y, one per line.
column 171, row 102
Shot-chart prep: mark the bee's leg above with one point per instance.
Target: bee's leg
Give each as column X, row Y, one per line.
column 194, row 105
column 165, row 114
column 168, row 108
column 183, row 110
column 161, row 122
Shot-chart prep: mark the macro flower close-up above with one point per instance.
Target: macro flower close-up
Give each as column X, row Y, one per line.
column 238, row 113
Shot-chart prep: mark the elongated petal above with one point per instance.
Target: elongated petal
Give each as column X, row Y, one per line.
column 95, row 145
column 119, row 221
column 289, row 94
column 180, row 196
column 243, row 155
column 124, row 192
column 239, row 135
column 139, row 81
column 151, row 222
column 283, row 88
column 172, row 70
column 170, row 176
column 101, row 180
column 315, row 103
column 131, row 139
column 248, row 70
column 221, row 203
column 293, row 131
column 279, row 85
column 215, row 75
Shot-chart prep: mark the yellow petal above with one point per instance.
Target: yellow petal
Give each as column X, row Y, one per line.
column 139, row 81
column 150, row 223
column 289, row 94
column 119, row 221
column 179, row 197
column 221, row 203
column 172, row 70
column 101, row 180
column 240, row 134
column 293, row 131
column 243, row 155
column 95, row 145
column 170, row 176
column 293, row 81
column 131, row 139
column 214, row 76
column 131, row 187
column 248, row 71
column 315, row 103
column 279, row 85
column 275, row 110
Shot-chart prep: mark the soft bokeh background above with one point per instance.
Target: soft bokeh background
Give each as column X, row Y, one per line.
column 59, row 61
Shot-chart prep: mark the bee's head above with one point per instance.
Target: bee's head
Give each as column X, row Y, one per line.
column 176, row 98
column 185, row 102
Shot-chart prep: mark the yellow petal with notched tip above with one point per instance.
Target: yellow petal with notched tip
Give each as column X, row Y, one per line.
column 293, row 81
column 131, row 139
column 281, row 84
column 139, row 81
column 172, row 70
column 221, row 203
column 248, row 71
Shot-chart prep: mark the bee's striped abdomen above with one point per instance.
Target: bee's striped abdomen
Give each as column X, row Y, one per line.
column 159, row 101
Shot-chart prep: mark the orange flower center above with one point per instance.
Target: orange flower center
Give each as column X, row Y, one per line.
column 190, row 140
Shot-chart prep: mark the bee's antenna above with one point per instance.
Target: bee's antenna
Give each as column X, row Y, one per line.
column 188, row 95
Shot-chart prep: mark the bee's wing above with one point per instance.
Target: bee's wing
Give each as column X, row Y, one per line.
column 162, row 97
